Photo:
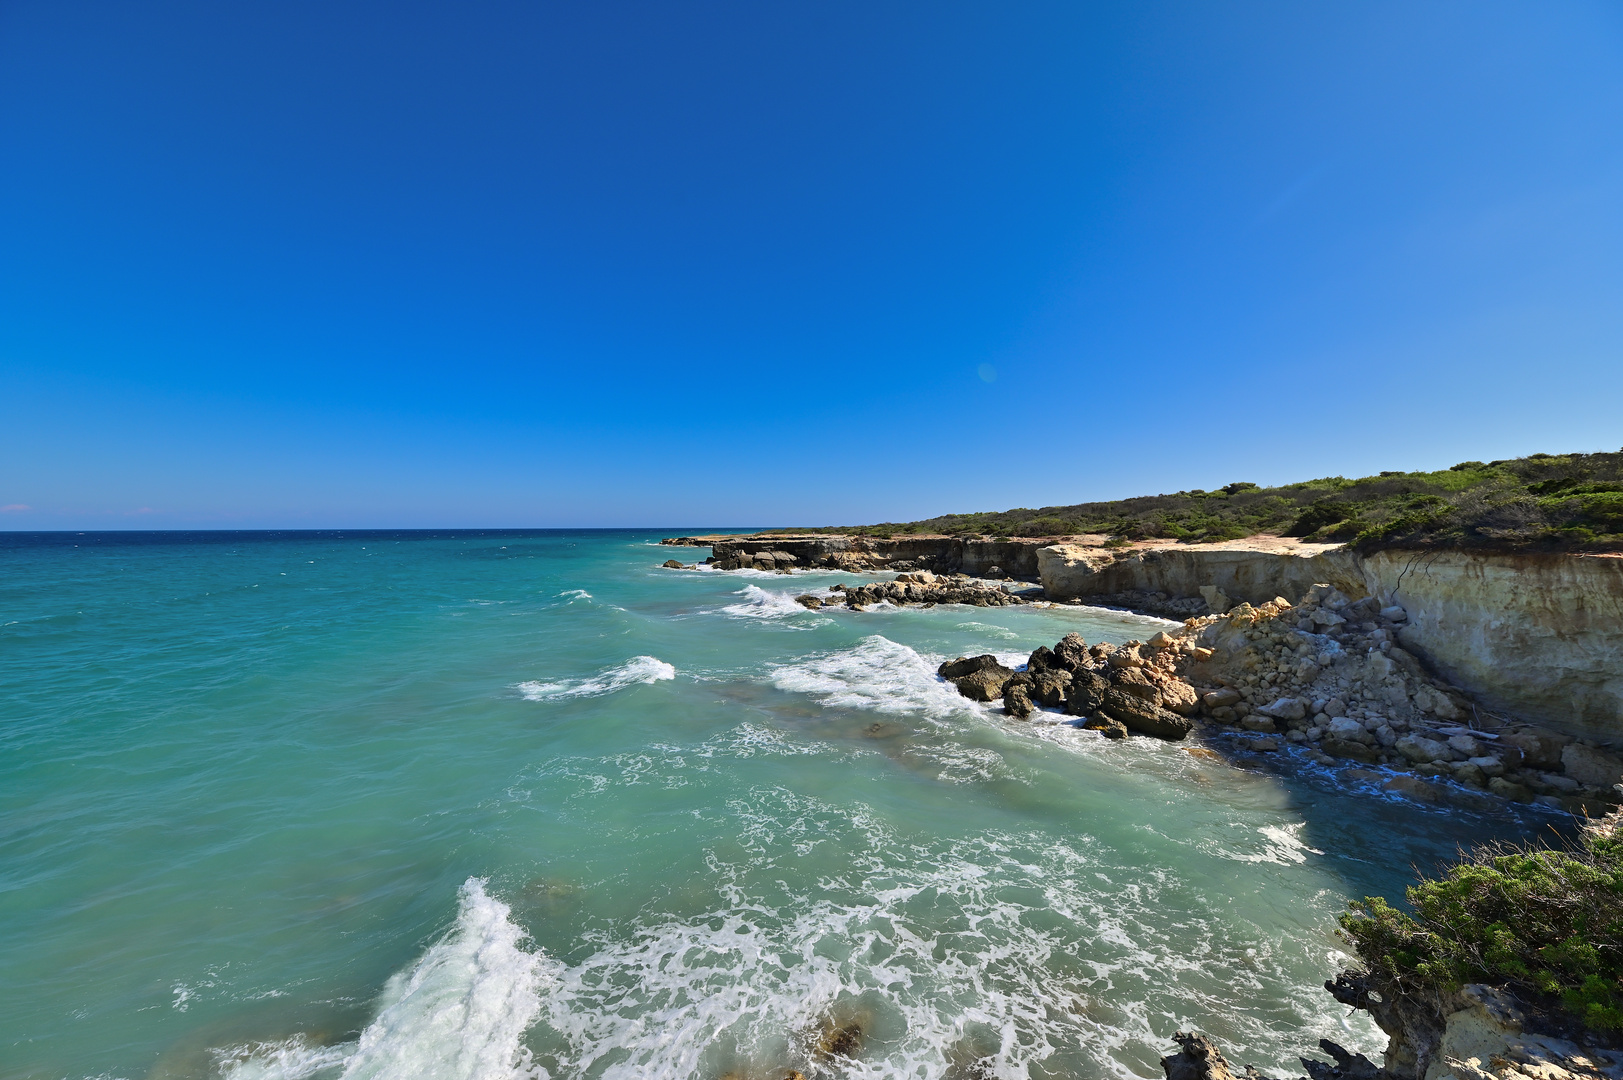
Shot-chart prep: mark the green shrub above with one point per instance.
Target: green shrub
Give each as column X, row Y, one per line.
column 1547, row 923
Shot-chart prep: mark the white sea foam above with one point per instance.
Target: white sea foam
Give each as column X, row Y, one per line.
column 876, row 674
column 759, row 603
column 639, row 669
column 459, row 1014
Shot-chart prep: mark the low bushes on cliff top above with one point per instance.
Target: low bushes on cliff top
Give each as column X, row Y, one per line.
column 1545, row 501
column 1548, row 924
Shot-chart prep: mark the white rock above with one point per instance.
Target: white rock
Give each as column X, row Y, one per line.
column 1216, row 599
column 1466, row 744
column 1394, row 614
column 1347, row 729
column 1420, row 749
column 1286, row 708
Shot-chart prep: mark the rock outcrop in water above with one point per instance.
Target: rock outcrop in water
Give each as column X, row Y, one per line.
column 1115, row 686
column 921, row 588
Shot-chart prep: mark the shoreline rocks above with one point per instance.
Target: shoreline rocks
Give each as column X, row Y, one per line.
column 1324, row 676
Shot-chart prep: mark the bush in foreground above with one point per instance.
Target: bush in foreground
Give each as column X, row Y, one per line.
column 1547, row 924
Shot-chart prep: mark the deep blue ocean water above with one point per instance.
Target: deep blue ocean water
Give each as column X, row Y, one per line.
column 498, row 804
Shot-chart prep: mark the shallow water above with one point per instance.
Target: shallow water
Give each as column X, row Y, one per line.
column 525, row 804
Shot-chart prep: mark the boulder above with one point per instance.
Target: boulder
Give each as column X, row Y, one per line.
column 1419, row 749
column 1217, row 699
column 1135, row 682
column 1042, row 658
column 1017, row 699
column 1086, row 694
column 1355, row 750
column 1110, row 729
column 1051, row 687
column 1540, row 748
column 671, row 564
column 1507, row 789
column 1259, row 723
column 1412, row 787
column 984, row 685
column 1592, row 767
column 809, row 602
column 1346, row 729
column 1394, row 613
column 967, row 665
column 1071, row 652
column 1216, row 599
column 1197, row 1059
column 1468, row 745
column 1179, row 696
column 1142, row 717
column 1285, row 708
column 1163, row 640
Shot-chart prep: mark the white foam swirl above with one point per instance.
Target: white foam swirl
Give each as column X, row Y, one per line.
column 876, row 674
column 639, row 669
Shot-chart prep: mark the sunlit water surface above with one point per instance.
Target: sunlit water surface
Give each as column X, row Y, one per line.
column 525, row 804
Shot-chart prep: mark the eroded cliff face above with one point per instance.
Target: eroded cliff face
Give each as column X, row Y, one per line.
column 1539, row 637
column 1533, row 635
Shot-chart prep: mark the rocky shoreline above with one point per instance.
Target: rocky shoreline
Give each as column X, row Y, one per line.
column 1326, row 675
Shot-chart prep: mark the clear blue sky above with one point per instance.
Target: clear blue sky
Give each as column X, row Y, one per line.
column 484, row 264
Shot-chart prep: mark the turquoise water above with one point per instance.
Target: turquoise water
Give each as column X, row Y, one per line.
column 524, row 804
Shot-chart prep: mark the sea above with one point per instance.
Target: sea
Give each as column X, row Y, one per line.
column 502, row 804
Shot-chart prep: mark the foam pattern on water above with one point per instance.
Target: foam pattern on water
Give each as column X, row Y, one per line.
column 639, row 669
column 876, row 674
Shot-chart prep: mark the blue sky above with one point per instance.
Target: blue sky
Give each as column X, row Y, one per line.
column 486, row 264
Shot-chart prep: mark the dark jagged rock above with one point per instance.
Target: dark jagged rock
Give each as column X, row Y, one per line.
column 809, row 602
column 1087, row 692
column 671, row 564
column 986, row 684
column 1017, row 698
column 1135, row 682
column 1042, row 658
column 1347, row 1066
column 1143, row 718
column 1071, row 653
column 1051, row 687
column 1110, row 729
column 966, row 665
column 1198, row 1058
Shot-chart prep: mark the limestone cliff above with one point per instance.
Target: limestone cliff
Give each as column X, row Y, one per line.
column 1537, row 636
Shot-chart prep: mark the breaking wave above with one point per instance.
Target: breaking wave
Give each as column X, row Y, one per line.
column 639, row 669
column 876, row 674
column 758, row 603
column 459, row 1014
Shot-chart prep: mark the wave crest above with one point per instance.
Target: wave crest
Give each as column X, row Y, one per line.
column 639, row 669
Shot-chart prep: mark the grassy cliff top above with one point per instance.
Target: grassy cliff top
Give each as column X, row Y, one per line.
column 1561, row 502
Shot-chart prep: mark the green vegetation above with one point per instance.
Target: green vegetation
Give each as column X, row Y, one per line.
column 1546, row 501
column 1547, row 924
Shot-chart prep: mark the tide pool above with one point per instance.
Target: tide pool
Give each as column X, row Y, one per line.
column 501, row 804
